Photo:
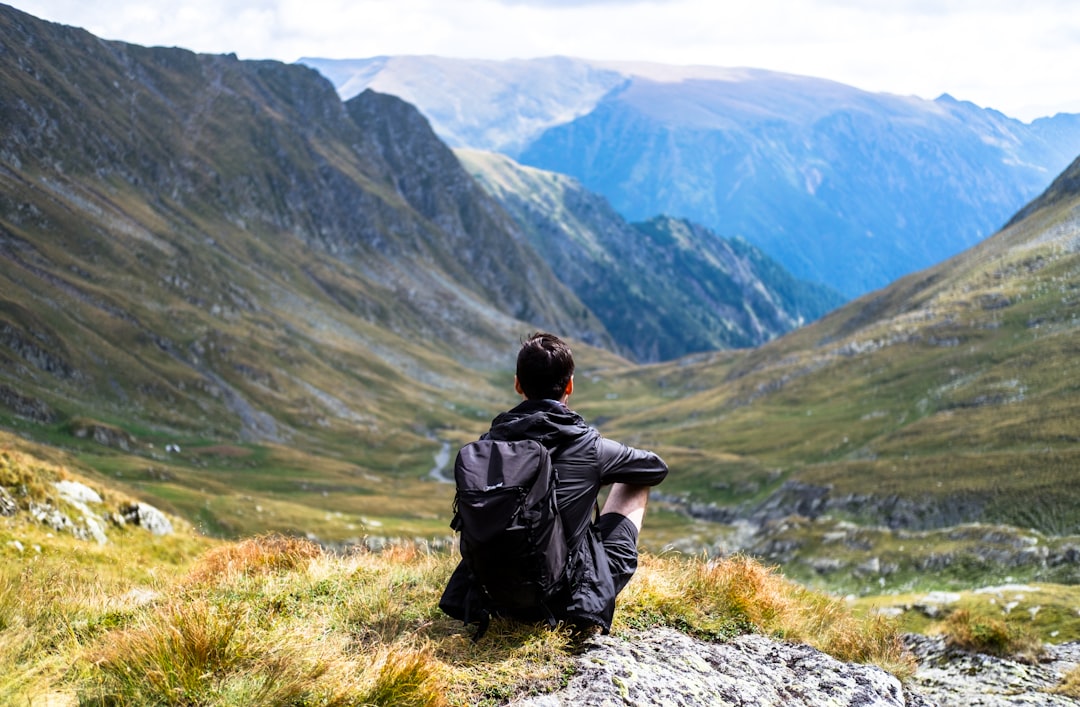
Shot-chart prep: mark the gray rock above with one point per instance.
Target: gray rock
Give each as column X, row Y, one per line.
column 80, row 496
column 953, row 678
column 8, row 505
column 50, row 516
column 77, row 492
column 146, row 516
column 666, row 668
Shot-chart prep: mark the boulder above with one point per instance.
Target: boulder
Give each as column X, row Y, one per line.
column 8, row 505
column 146, row 516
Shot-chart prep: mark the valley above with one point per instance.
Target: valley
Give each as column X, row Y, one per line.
column 228, row 293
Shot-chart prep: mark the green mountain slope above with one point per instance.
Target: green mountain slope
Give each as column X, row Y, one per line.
column 222, row 255
column 948, row 397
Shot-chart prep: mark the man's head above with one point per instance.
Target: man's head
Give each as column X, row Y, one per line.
column 545, row 367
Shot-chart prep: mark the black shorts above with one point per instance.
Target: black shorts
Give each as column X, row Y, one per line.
column 619, row 535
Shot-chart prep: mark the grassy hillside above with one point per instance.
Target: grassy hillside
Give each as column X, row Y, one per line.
column 308, row 298
column 948, row 397
column 180, row 619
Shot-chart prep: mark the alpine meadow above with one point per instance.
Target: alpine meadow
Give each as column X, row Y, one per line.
column 246, row 323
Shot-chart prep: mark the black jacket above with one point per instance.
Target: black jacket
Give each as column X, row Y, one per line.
column 584, row 462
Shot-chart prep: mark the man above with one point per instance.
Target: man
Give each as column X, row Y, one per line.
column 603, row 554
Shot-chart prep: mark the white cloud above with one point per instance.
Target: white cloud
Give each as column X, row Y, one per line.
column 998, row 53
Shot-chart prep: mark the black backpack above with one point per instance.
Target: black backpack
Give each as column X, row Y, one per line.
column 512, row 537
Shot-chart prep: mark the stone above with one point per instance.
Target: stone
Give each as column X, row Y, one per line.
column 666, row 668
column 75, row 491
column 146, row 516
column 955, row 678
column 50, row 516
column 81, row 496
column 8, row 505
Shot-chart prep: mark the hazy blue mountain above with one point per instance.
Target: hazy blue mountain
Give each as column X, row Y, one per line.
column 841, row 186
column 664, row 287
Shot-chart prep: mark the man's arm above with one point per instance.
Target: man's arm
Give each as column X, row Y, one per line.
column 631, row 473
column 622, row 464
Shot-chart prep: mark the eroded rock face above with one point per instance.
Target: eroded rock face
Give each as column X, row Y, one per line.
column 666, row 668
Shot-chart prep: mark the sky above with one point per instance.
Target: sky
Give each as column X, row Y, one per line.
column 1020, row 58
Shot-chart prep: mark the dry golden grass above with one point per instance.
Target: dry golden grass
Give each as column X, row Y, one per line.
column 979, row 633
column 259, row 555
column 30, row 475
column 723, row 596
column 277, row 621
column 1070, row 684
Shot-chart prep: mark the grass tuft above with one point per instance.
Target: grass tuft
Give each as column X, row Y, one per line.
column 968, row 631
column 258, row 555
column 405, row 678
column 175, row 656
column 1070, row 684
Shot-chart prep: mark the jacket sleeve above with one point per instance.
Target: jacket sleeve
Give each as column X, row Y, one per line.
column 623, row 464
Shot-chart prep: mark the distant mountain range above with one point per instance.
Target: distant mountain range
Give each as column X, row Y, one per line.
column 841, row 186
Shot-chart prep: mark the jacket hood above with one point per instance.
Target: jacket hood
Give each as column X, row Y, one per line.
column 547, row 421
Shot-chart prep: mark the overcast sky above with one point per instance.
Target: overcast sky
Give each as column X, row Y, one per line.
column 1020, row 57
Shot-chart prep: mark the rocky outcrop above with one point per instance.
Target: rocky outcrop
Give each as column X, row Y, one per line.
column 103, row 434
column 81, row 511
column 798, row 526
column 8, row 506
column 814, row 501
column 953, row 678
column 666, row 668
column 23, row 406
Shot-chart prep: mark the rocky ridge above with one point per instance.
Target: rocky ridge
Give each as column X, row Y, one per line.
column 801, row 527
column 75, row 508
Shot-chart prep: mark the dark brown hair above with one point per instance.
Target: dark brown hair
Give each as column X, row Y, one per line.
column 544, row 366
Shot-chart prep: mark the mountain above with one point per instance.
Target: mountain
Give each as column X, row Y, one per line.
column 259, row 308
column 221, row 257
column 663, row 288
column 507, row 103
column 841, row 186
column 924, row 433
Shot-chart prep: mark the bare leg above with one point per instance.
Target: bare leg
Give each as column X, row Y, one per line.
column 629, row 501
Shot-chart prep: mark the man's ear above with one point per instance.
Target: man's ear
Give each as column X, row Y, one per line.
column 569, row 388
column 517, row 386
